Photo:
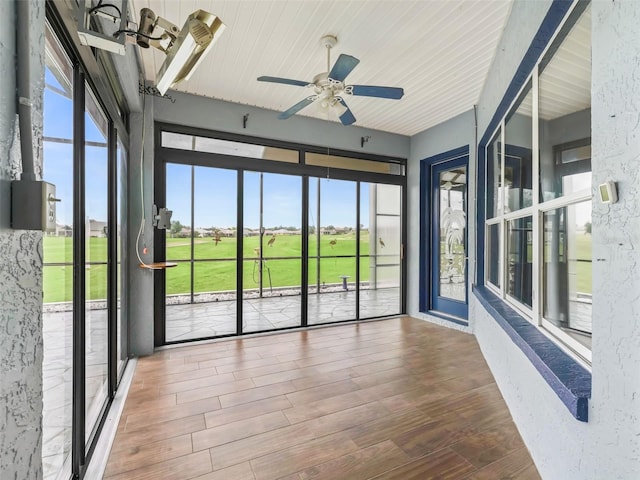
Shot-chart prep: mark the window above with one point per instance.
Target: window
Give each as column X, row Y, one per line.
column 334, row 161
column 538, row 184
column 84, row 284
column 226, row 147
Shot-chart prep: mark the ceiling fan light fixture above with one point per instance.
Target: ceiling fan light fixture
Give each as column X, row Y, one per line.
column 329, row 87
column 339, row 108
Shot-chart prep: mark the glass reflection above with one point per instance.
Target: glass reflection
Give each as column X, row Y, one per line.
column 452, row 233
column 494, row 177
column 494, row 262
column 96, row 277
column 58, row 270
column 565, row 119
column 567, row 270
column 520, row 258
column 518, row 167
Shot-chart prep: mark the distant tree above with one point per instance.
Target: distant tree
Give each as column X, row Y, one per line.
column 176, row 227
column 330, row 227
column 587, row 228
column 312, row 230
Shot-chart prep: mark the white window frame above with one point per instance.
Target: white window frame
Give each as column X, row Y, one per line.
column 533, row 314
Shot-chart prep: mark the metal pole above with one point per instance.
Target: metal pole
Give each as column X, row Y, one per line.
column 318, row 241
column 261, row 234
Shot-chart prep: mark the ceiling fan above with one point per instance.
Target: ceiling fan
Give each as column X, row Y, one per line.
column 329, row 87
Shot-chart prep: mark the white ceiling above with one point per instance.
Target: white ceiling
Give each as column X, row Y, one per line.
column 438, row 51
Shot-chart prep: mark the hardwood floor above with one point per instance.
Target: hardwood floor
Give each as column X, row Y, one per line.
column 395, row 399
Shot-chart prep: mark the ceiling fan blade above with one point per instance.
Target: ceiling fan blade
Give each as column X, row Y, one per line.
column 343, row 67
column 378, row 92
column 296, row 108
column 346, row 117
column 286, row 81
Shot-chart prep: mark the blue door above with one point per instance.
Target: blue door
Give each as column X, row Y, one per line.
column 448, row 259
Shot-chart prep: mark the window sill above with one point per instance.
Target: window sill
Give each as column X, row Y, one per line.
column 567, row 378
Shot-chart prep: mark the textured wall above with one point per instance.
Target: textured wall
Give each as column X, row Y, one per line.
column 616, row 239
column 140, row 280
column 20, row 270
column 454, row 133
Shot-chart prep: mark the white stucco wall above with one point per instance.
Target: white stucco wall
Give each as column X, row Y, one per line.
column 20, row 267
column 615, row 89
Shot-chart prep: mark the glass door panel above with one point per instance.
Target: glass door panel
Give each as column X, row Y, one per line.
column 58, row 269
column 332, row 254
column 449, row 237
column 201, row 290
column 179, row 321
column 96, row 277
column 380, row 249
column 272, row 247
column 214, row 251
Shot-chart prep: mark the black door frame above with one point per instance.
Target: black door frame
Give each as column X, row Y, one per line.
column 164, row 155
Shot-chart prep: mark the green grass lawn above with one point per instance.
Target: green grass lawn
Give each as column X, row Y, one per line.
column 583, row 269
column 221, row 275
column 213, row 275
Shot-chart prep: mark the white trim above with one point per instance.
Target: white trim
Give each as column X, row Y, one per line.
column 537, row 238
column 499, row 213
column 493, row 289
column 576, row 197
column 523, row 309
column 561, row 338
column 523, row 212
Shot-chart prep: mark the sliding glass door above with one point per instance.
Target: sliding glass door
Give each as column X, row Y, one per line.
column 84, row 321
column 96, row 188
column 332, row 250
column 272, row 234
column 202, row 240
column 264, row 241
column 381, row 252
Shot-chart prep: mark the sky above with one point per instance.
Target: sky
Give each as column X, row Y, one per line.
column 215, row 194
column 58, row 157
column 215, row 189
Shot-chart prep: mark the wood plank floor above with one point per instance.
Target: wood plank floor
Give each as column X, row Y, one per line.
column 394, row 399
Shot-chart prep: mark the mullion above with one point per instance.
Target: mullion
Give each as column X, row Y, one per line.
column 79, row 288
column 304, row 284
column 112, row 266
column 193, row 186
column 239, row 249
column 358, row 185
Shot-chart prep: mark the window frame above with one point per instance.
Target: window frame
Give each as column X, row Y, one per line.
column 536, row 211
